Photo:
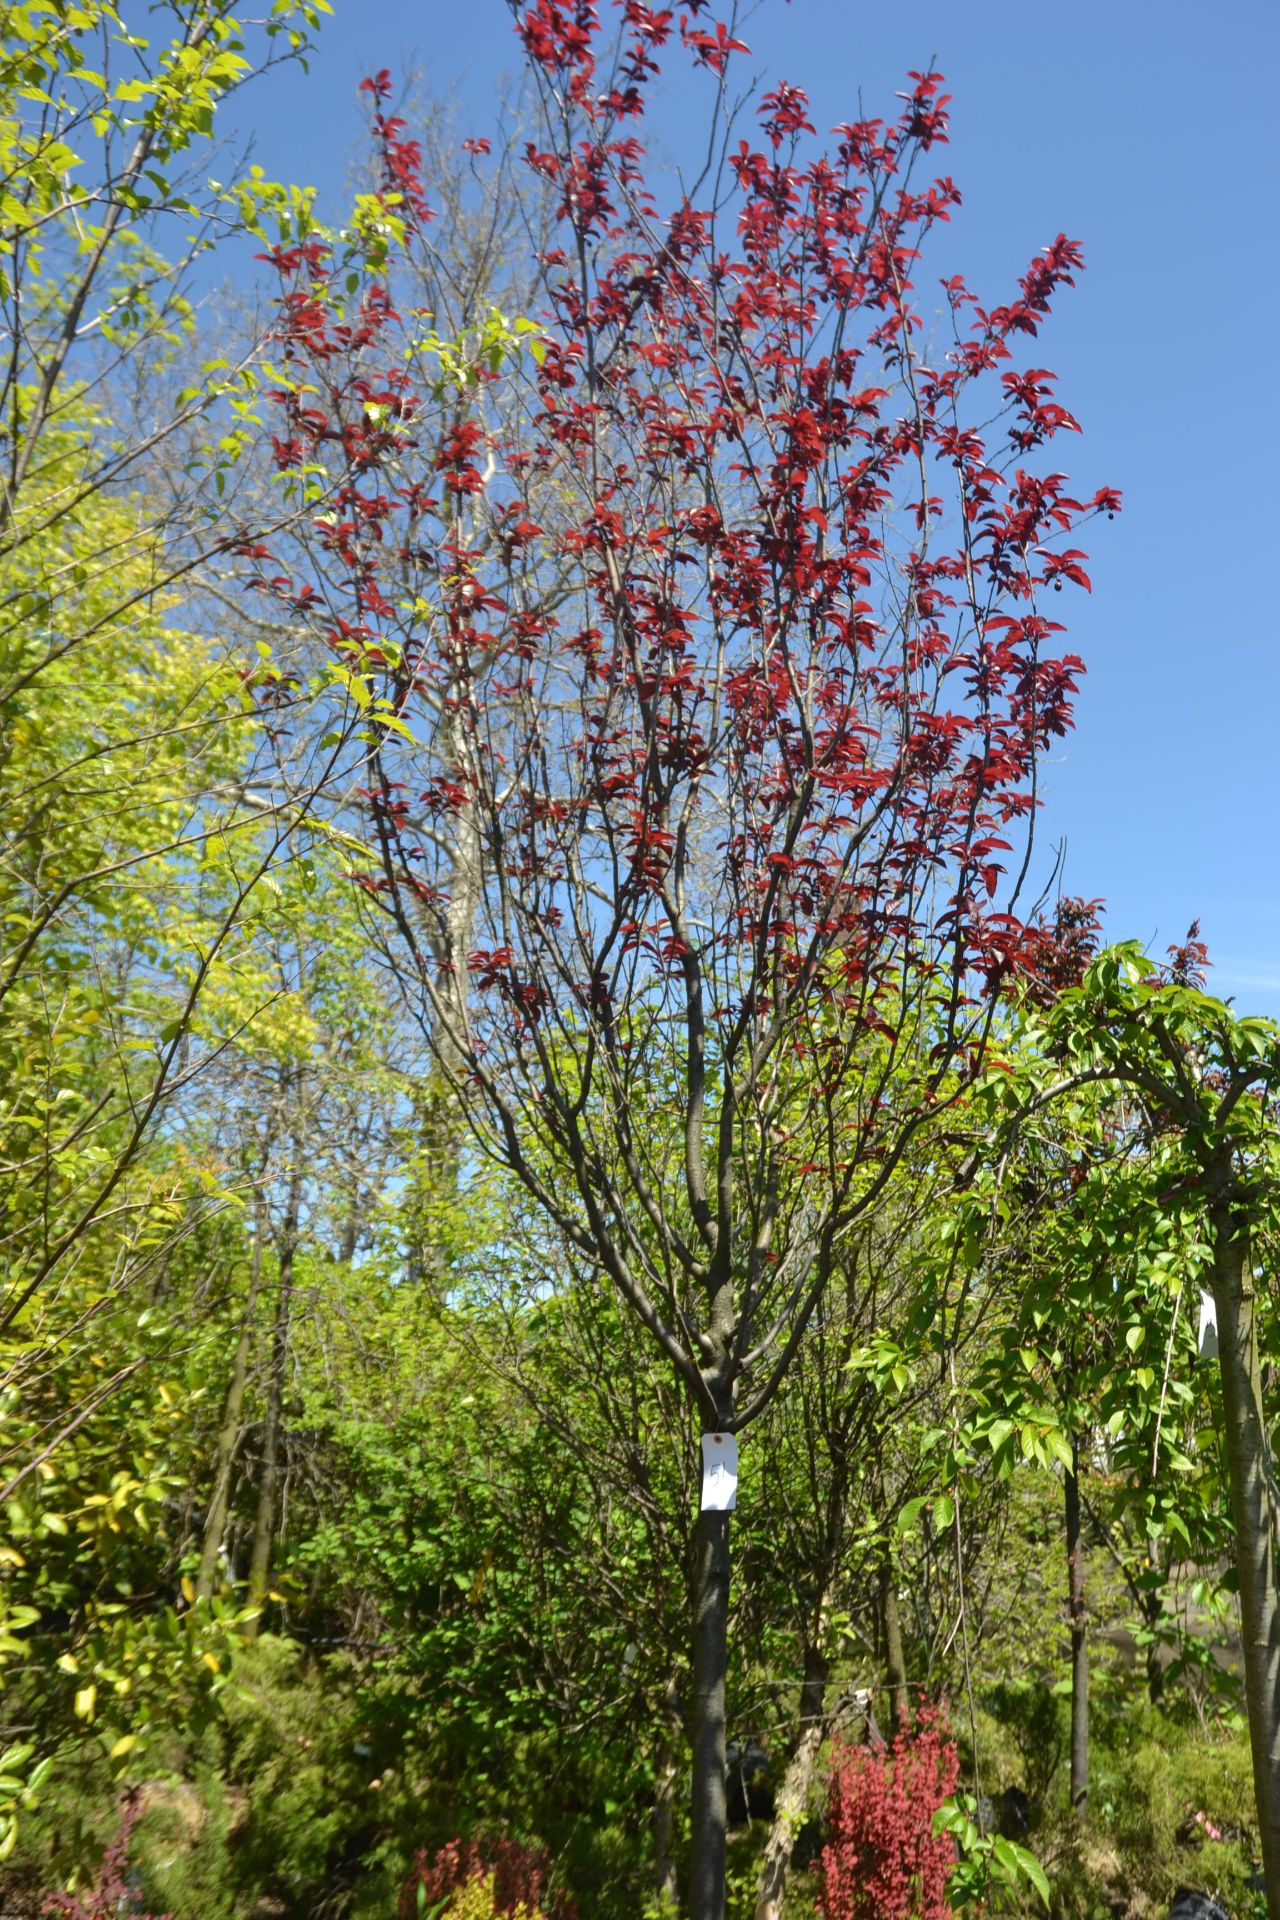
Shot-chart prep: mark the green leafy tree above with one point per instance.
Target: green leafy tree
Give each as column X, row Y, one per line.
column 1205, row 1080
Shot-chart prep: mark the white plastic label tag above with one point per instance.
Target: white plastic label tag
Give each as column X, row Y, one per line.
column 1208, row 1326
column 719, row 1472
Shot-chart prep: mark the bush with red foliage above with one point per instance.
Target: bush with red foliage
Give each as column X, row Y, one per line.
column 882, row 1860
column 519, row 1877
column 113, row 1893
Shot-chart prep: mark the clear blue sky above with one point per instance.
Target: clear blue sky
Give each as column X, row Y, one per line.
column 1147, row 129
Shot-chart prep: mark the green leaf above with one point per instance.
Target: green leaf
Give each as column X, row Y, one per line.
column 1029, row 1867
column 352, row 682
column 909, row 1517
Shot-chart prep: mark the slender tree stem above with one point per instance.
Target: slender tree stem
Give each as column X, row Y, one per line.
column 1078, row 1620
column 793, row 1795
column 231, row 1430
column 895, row 1659
column 1255, row 1510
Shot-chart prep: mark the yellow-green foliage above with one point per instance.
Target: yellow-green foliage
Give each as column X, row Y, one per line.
column 475, row 1901
column 1150, row 1777
column 144, row 906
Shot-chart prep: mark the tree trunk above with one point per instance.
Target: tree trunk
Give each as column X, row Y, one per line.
column 1153, row 1614
column 264, row 1524
column 793, row 1795
column 710, row 1661
column 466, row 888
column 230, row 1431
column 1255, row 1510
column 665, row 1882
column 1077, row 1620
column 894, row 1658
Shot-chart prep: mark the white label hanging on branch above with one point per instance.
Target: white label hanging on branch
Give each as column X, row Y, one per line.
column 719, row 1472
column 1208, row 1341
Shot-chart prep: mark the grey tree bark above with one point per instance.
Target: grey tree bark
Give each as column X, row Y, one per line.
column 666, row 1786
column 231, row 1430
column 793, row 1794
column 265, row 1521
column 1255, row 1511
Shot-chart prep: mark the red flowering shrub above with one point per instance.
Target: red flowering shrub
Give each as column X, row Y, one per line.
column 882, row 1860
column 519, row 1874
column 113, row 1893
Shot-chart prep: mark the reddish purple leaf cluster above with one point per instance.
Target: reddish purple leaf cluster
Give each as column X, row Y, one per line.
column 519, row 1877
column 789, row 571
column 704, row 663
column 113, row 1892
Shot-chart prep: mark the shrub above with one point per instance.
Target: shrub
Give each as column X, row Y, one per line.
column 882, row 1860
column 477, row 1900
column 1151, row 1773
column 510, row 1878
column 113, row 1892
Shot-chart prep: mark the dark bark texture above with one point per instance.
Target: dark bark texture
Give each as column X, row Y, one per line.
column 1078, row 1622
column 710, row 1663
column 894, row 1656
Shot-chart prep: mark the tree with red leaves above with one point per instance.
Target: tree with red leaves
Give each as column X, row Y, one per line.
column 703, row 667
